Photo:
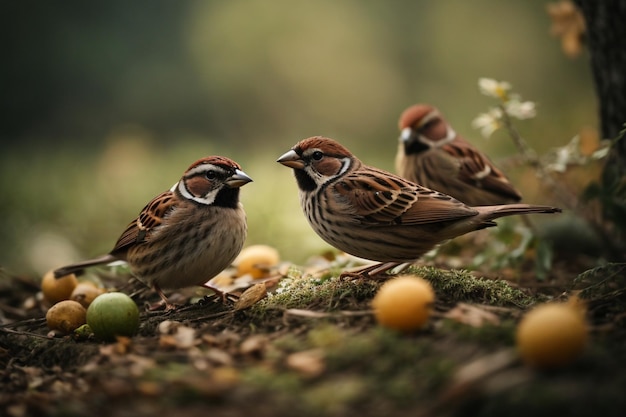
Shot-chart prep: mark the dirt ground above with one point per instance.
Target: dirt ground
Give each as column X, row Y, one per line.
column 312, row 347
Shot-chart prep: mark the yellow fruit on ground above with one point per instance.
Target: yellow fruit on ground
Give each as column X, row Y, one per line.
column 66, row 316
column 552, row 335
column 404, row 303
column 55, row 290
column 85, row 292
column 256, row 260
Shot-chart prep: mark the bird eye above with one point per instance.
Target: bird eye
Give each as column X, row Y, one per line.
column 317, row 155
column 211, row 175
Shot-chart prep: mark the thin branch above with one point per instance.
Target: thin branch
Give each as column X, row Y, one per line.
column 532, row 159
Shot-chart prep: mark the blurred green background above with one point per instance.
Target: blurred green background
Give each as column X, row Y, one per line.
column 105, row 104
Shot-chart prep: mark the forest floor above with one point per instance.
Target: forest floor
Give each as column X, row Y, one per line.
column 312, row 347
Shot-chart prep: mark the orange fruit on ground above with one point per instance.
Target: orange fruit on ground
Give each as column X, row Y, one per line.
column 66, row 316
column 552, row 335
column 256, row 260
column 85, row 292
column 404, row 303
column 55, row 290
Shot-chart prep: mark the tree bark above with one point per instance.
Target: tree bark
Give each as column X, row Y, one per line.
column 606, row 39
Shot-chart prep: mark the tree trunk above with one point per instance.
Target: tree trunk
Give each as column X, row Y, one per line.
column 606, row 38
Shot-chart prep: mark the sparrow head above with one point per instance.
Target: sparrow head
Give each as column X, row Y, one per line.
column 317, row 160
column 422, row 127
column 214, row 180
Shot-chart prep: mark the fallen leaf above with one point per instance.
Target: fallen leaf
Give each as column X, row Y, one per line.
column 251, row 296
column 183, row 338
column 254, row 345
column 309, row 363
column 218, row 357
column 472, row 315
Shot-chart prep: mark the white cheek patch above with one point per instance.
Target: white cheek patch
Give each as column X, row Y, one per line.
column 450, row 137
column 433, row 143
column 441, row 142
column 207, row 199
column 345, row 164
column 323, row 179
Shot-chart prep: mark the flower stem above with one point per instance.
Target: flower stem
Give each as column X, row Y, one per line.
column 532, row 159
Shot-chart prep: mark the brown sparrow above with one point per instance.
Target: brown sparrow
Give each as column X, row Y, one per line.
column 432, row 154
column 186, row 235
column 376, row 215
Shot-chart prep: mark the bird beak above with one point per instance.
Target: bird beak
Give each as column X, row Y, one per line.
column 238, row 179
column 406, row 134
column 291, row 159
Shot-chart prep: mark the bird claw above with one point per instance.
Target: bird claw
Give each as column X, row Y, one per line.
column 160, row 304
column 369, row 272
column 223, row 295
column 350, row 276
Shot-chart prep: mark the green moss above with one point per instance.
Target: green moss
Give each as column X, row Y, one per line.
column 321, row 294
column 335, row 396
column 487, row 335
column 460, row 285
column 283, row 383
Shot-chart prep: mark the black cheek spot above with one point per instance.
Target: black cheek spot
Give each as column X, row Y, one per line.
column 305, row 182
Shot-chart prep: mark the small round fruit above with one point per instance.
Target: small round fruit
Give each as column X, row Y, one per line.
column 113, row 314
column 66, row 316
column 256, row 260
column 404, row 303
column 551, row 335
column 57, row 289
column 85, row 293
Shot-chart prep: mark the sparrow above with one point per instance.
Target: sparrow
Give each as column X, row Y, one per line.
column 377, row 215
column 432, row 154
column 186, row 235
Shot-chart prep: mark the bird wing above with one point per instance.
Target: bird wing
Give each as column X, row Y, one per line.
column 150, row 217
column 380, row 198
column 476, row 169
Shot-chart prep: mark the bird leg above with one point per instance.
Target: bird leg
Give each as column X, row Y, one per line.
column 222, row 294
column 164, row 301
column 369, row 271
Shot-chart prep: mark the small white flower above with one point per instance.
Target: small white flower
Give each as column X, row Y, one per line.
column 488, row 122
column 519, row 109
column 492, row 88
column 562, row 159
column 601, row 153
column 564, row 156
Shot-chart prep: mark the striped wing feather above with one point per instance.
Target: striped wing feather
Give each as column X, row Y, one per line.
column 150, row 217
column 380, row 200
column 477, row 169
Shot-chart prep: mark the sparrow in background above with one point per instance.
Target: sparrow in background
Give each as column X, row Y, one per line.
column 432, row 154
column 376, row 215
column 186, row 235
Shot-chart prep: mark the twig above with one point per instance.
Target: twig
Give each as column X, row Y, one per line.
column 322, row 314
column 568, row 198
column 36, row 321
column 23, row 333
column 532, row 159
